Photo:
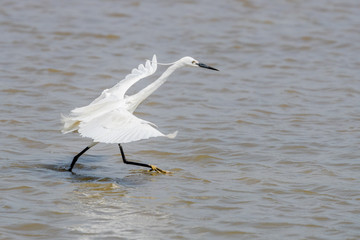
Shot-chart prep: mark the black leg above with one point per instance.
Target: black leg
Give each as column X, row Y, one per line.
column 152, row 167
column 132, row 163
column 77, row 157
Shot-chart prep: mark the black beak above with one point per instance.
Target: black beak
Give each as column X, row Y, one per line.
column 202, row 65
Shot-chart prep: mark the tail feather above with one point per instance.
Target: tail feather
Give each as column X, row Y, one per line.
column 70, row 125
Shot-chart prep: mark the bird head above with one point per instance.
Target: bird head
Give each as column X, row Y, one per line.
column 189, row 61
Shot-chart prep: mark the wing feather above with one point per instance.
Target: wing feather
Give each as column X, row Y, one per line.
column 109, row 100
column 118, row 126
column 135, row 75
column 118, row 91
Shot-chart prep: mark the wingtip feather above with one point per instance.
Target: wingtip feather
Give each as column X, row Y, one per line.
column 172, row 135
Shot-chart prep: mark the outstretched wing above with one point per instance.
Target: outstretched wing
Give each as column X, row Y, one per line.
column 119, row 126
column 109, row 100
column 136, row 74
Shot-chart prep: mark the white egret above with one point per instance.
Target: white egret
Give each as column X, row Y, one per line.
column 109, row 118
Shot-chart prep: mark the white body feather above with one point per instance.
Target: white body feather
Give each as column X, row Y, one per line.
column 109, row 118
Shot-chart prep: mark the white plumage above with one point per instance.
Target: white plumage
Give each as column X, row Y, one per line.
column 109, row 118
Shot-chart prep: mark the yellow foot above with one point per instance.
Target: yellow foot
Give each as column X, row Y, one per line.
column 158, row 170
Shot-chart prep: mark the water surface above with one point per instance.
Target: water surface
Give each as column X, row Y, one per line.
column 268, row 148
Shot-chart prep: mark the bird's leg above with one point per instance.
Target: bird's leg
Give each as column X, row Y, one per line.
column 79, row 154
column 152, row 167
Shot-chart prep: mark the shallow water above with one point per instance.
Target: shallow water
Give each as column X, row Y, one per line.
column 268, row 148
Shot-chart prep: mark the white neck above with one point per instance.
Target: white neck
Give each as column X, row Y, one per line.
column 137, row 98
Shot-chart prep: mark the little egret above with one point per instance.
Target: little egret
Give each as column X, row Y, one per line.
column 109, row 118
